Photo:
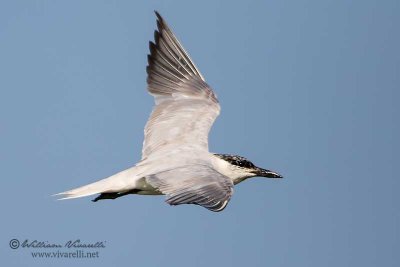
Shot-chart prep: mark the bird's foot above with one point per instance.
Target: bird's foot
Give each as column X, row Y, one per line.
column 106, row 196
column 114, row 195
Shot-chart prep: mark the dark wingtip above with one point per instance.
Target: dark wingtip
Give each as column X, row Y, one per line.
column 158, row 15
column 161, row 24
column 153, row 48
column 156, row 37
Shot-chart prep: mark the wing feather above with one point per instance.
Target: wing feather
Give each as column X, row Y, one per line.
column 186, row 106
column 194, row 184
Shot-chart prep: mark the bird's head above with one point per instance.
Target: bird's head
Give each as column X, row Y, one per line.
column 241, row 168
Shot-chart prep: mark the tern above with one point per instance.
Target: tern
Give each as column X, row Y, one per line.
column 175, row 160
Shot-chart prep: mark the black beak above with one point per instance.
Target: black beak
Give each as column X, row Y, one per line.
column 266, row 173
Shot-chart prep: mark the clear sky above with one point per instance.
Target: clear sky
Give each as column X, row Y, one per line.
column 309, row 89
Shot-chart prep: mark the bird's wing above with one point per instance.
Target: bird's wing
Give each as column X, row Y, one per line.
column 194, row 184
column 186, row 106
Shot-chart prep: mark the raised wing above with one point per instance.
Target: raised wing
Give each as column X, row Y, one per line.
column 194, row 184
column 186, row 107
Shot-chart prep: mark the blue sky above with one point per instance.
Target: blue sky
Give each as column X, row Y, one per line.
column 307, row 88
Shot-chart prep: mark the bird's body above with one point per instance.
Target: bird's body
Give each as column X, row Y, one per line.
column 175, row 158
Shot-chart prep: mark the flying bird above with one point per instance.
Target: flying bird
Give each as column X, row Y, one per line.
column 175, row 160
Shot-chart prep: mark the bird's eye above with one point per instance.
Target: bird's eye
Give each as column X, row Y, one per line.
column 248, row 164
column 244, row 164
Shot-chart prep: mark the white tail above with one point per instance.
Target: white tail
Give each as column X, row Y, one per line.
column 120, row 182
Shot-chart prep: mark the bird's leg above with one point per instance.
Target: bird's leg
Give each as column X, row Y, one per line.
column 106, row 196
column 114, row 195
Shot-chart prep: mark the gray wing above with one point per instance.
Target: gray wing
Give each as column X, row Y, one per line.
column 194, row 184
column 186, row 106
